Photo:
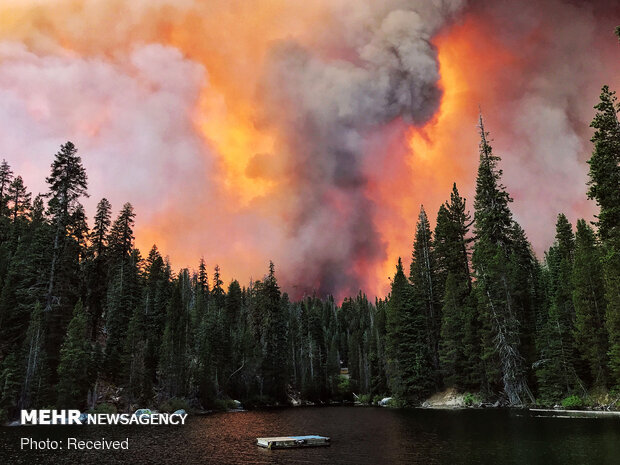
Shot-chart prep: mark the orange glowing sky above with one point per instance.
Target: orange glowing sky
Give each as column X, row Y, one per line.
column 170, row 106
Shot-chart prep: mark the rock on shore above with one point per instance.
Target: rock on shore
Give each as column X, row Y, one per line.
column 449, row 398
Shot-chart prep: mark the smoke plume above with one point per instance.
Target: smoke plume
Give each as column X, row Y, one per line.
column 327, row 109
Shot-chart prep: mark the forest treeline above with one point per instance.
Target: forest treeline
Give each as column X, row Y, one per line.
column 81, row 310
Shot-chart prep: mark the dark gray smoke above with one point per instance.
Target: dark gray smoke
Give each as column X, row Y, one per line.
column 327, row 108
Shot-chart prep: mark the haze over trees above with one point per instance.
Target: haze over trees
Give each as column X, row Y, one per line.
column 83, row 313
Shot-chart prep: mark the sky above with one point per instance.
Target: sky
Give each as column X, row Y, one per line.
column 307, row 133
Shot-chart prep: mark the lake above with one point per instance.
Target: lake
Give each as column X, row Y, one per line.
column 360, row 435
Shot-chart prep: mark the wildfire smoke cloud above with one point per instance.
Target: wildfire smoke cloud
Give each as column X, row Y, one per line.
column 307, row 133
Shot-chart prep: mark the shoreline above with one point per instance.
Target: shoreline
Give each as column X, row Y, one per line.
column 563, row 413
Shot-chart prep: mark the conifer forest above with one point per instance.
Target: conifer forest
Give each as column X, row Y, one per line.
column 86, row 318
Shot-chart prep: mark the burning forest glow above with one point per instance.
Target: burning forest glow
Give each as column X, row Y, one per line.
column 306, row 133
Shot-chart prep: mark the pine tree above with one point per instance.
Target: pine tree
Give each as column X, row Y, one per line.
column 123, row 288
column 37, row 214
column 458, row 358
column 19, row 197
column 120, row 240
column 234, row 356
column 426, row 293
column 173, row 362
column 25, row 280
column 99, row 234
column 6, row 176
column 203, row 348
column 410, row 357
column 75, row 356
column 556, row 369
column 217, row 292
column 68, row 183
column 492, row 250
column 605, row 189
column 122, row 298
column 562, row 310
column 605, row 165
column 275, row 336
column 524, row 275
column 377, row 350
column 96, row 269
column 398, row 304
column 589, row 301
column 452, row 241
column 156, row 294
column 452, row 350
column 203, row 278
column 78, row 234
column 214, row 328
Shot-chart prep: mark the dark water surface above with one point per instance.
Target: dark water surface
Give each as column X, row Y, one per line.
column 359, row 435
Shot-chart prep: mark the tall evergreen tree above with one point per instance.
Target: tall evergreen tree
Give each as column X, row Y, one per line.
column 233, row 351
column 527, row 292
column 215, row 332
column 605, row 166
column 25, row 280
column 121, row 236
column 6, row 176
column 410, row 355
column 68, row 183
column 458, row 351
column 203, row 278
column 97, row 269
column 155, row 297
column 492, row 250
column 557, row 371
column 452, row 241
column 399, row 304
column 275, row 336
column 123, row 288
column 174, row 355
column 19, row 197
column 205, row 340
column 426, row 291
column 605, row 189
column 377, row 349
column 589, row 302
column 217, row 292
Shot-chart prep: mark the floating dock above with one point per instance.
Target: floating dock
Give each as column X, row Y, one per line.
column 286, row 442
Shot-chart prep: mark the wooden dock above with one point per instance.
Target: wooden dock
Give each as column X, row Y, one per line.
column 286, row 442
